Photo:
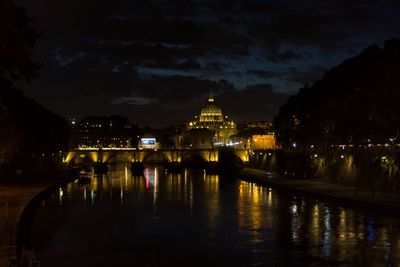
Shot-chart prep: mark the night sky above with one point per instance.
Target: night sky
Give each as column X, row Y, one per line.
column 157, row 61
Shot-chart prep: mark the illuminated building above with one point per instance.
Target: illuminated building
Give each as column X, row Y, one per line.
column 212, row 118
column 257, row 136
column 148, row 142
column 101, row 132
column 198, row 138
column 263, row 141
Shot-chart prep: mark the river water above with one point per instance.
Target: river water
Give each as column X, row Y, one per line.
column 197, row 219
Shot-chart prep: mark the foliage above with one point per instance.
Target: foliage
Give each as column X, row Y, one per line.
column 28, row 132
column 17, row 38
column 28, row 129
column 356, row 102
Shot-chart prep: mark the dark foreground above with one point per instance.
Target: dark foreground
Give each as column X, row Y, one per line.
column 195, row 219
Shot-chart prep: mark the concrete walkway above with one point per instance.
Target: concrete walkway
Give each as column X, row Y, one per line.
column 340, row 193
column 13, row 199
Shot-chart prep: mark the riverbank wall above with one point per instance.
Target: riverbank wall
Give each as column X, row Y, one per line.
column 18, row 202
column 371, row 168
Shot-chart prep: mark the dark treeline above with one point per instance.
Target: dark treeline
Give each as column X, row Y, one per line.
column 356, row 102
column 29, row 134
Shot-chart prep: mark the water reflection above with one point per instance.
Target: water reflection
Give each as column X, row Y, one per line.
column 197, row 219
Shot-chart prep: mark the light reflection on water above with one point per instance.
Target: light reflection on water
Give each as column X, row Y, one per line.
column 197, row 219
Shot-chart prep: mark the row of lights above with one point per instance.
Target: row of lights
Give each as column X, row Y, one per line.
column 294, row 145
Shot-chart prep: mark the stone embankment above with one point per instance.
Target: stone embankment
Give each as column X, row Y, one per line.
column 13, row 200
column 16, row 203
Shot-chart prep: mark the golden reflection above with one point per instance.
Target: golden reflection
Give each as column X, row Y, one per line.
column 212, row 183
column 211, row 188
column 384, row 234
column 328, row 232
column 174, row 185
column 94, row 184
column 269, row 194
column 70, row 188
column 315, row 234
column 342, row 225
column 126, row 178
column 185, row 187
column 155, row 190
column 250, row 210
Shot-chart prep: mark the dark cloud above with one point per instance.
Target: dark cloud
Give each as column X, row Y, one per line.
column 261, row 7
column 262, row 99
column 144, row 57
column 277, row 56
column 218, row 66
column 299, row 30
column 256, row 102
column 264, row 73
column 177, row 90
column 185, row 65
column 309, row 76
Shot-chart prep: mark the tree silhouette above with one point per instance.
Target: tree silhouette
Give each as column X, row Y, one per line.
column 17, row 38
column 356, row 102
column 27, row 130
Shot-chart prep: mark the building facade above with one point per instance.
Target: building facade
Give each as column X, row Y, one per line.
column 257, row 136
column 212, row 119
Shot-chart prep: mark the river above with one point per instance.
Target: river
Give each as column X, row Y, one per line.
column 198, row 219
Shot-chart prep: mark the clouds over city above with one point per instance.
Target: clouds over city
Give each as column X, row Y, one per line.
column 142, row 58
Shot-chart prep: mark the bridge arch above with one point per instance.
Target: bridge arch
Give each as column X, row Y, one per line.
column 147, row 156
column 81, row 158
column 119, row 157
column 193, row 157
column 155, row 157
column 230, row 159
column 243, row 154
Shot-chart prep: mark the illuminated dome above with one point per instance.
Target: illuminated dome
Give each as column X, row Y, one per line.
column 211, row 112
column 211, row 118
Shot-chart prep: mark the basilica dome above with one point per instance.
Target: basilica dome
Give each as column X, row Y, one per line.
column 211, row 112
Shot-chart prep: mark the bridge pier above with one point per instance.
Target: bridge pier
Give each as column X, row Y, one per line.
column 100, row 167
column 174, row 167
column 137, row 168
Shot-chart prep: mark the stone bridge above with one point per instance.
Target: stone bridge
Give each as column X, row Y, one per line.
column 132, row 155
